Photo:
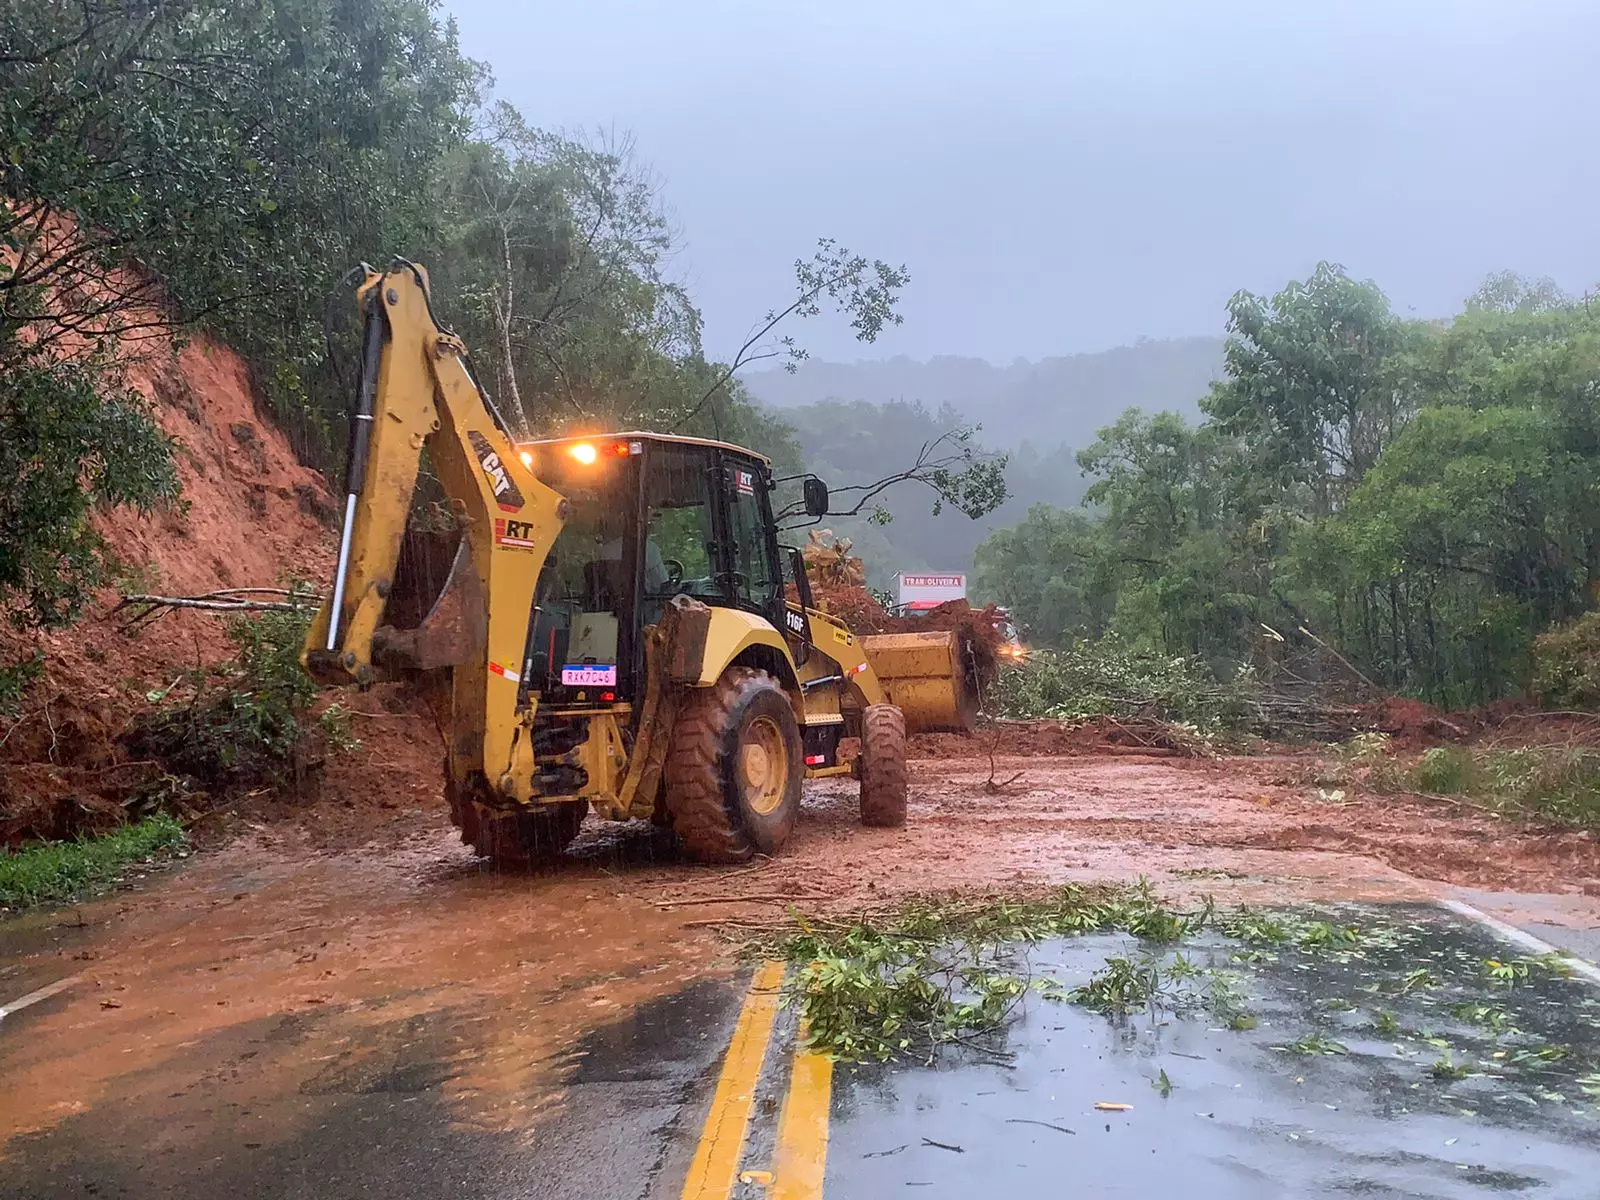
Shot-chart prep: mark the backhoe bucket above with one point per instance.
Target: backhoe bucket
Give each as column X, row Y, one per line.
column 932, row 676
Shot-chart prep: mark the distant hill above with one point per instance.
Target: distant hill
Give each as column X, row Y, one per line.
column 1053, row 401
column 861, row 421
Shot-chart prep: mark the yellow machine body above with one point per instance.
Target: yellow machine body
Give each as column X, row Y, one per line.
column 926, row 675
column 476, row 633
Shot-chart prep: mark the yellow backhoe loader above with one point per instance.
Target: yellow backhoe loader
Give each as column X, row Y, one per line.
column 620, row 630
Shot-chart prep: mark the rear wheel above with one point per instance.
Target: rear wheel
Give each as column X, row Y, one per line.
column 883, row 766
column 734, row 769
column 523, row 837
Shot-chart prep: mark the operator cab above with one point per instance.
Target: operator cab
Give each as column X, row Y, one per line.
column 651, row 517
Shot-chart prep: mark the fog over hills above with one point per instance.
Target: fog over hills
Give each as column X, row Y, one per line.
column 860, row 421
column 1049, row 402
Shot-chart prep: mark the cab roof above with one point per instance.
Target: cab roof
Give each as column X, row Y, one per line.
column 640, row 436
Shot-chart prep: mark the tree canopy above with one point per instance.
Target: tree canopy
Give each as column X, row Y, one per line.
column 221, row 164
column 1419, row 496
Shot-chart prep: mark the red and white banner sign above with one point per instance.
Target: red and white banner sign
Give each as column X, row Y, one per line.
column 929, row 591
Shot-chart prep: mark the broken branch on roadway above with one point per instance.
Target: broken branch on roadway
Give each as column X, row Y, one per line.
column 751, row 898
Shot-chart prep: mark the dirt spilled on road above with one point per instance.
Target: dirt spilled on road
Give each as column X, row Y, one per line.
column 1246, row 829
column 313, row 962
column 289, row 965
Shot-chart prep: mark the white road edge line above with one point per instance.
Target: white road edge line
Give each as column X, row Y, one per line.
column 1521, row 937
column 44, row 993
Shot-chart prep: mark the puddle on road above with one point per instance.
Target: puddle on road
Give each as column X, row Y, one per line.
column 1397, row 1067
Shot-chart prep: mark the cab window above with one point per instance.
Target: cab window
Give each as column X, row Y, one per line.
column 754, row 579
column 679, row 529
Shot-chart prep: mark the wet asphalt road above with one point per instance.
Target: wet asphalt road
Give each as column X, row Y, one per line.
column 373, row 1121
column 1246, row 1115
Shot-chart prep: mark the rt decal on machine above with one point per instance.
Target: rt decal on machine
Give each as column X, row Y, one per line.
column 506, row 492
column 516, row 535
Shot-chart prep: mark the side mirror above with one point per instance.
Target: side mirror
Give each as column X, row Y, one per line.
column 816, row 494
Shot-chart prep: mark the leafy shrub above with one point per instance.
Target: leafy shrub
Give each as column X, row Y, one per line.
column 1107, row 677
column 1445, row 771
column 71, row 440
column 247, row 721
column 70, row 870
column 1566, row 665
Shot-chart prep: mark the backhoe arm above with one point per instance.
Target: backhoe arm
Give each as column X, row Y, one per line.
column 416, row 394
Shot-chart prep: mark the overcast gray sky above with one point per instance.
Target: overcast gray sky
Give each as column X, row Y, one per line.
column 1063, row 176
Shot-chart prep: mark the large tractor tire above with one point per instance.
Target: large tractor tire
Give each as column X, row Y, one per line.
column 883, row 766
column 517, row 839
column 734, row 768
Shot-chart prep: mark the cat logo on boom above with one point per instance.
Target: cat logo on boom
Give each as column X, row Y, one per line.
column 506, row 493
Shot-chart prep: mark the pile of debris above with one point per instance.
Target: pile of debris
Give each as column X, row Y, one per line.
column 838, row 585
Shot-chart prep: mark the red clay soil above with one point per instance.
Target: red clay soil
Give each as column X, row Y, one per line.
column 1415, row 723
column 1245, row 829
column 251, row 516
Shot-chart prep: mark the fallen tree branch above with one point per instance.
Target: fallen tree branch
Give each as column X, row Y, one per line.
column 144, row 607
column 215, row 604
column 750, row 898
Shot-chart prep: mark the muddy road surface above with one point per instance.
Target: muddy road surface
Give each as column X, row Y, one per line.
column 289, row 1017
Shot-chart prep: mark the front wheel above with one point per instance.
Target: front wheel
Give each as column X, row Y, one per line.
column 883, row 766
column 734, row 768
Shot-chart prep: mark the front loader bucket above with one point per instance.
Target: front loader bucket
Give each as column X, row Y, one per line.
column 932, row 676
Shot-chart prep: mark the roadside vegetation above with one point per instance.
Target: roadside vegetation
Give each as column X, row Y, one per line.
column 943, row 975
column 1555, row 785
column 248, row 720
column 62, row 871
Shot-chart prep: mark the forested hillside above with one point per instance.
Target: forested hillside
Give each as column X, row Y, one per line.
column 851, row 418
column 1420, row 496
column 184, row 191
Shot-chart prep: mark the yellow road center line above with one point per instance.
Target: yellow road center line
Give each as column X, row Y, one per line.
column 715, row 1167
column 801, row 1157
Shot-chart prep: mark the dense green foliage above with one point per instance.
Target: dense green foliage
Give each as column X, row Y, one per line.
column 1566, row 665
column 70, row 439
column 1107, row 677
column 1418, row 496
column 222, row 163
column 54, row 871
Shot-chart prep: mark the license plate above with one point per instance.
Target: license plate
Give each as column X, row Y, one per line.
column 589, row 676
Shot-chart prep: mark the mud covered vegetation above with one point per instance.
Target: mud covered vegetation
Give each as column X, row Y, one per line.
column 246, row 721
